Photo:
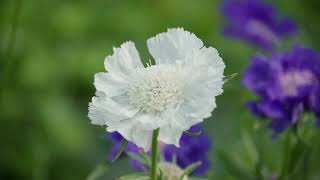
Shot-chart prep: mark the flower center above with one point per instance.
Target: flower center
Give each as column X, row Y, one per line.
column 157, row 88
column 292, row 80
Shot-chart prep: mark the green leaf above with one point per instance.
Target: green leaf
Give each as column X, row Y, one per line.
column 233, row 168
column 122, row 148
column 250, row 147
column 190, row 168
column 98, row 172
column 229, row 77
column 135, row 176
column 192, row 133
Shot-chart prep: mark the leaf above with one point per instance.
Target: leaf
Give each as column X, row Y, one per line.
column 192, row 133
column 232, row 168
column 189, row 169
column 135, row 176
column 251, row 148
column 229, row 77
column 122, row 148
column 98, row 171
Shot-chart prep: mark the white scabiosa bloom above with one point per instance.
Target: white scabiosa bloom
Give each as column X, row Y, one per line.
column 173, row 95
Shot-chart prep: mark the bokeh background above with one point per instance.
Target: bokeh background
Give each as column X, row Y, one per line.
column 51, row 49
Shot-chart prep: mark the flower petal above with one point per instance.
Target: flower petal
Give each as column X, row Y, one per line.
column 259, row 75
column 170, row 134
column 132, row 131
column 198, row 108
column 110, row 84
column 206, row 74
column 124, row 61
column 149, row 121
column 105, row 111
column 172, row 130
column 172, row 45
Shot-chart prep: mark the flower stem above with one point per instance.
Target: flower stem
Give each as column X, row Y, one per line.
column 154, row 155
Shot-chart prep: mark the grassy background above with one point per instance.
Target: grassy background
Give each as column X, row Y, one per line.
column 47, row 76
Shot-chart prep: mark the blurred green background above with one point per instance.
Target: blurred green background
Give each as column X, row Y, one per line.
column 47, row 81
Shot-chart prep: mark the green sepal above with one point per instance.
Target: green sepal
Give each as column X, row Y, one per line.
column 189, row 169
column 140, row 158
column 192, row 133
column 122, row 148
column 229, row 77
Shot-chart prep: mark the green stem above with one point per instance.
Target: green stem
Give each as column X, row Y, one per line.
column 287, row 157
column 154, row 155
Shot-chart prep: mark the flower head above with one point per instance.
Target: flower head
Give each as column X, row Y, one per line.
column 173, row 95
column 192, row 150
column 171, row 171
column 288, row 84
column 257, row 22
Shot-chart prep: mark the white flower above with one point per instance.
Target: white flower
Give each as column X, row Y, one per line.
column 173, row 95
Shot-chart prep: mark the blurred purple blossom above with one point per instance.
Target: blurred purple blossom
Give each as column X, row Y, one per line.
column 192, row 149
column 288, row 84
column 256, row 22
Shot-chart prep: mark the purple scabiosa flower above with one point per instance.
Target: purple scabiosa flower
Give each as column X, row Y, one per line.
column 192, row 149
column 256, row 22
column 288, row 84
column 116, row 140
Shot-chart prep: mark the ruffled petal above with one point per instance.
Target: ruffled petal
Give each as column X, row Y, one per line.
column 171, row 132
column 124, row 61
column 110, row 84
column 132, row 131
column 195, row 110
column 149, row 121
column 259, row 75
column 173, row 45
column 105, row 111
column 170, row 135
column 142, row 137
column 206, row 73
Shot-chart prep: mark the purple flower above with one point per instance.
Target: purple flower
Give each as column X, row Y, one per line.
column 256, row 22
column 116, row 140
column 288, row 84
column 192, row 149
